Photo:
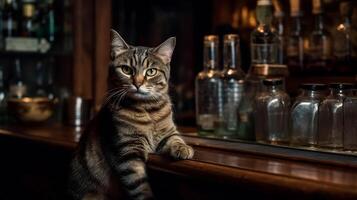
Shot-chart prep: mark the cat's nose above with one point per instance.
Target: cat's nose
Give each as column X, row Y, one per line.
column 138, row 81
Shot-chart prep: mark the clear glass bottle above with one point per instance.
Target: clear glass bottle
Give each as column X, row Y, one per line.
column 320, row 43
column 304, row 115
column 264, row 39
column 330, row 134
column 208, row 86
column 280, row 29
column 350, row 121
column 265, row 44
column 18, row 88
column 10, row 21
column 343, row 40
column 272, row 113
column 295, row 41
column 233, row 86
column 245, row 115
column 29, row 27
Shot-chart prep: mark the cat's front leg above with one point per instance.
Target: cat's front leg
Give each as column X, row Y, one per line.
column 175, row 146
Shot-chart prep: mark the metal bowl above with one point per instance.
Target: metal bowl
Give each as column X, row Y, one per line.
column 32, row 109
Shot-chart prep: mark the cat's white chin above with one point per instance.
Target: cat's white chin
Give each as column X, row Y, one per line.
column 140, row 96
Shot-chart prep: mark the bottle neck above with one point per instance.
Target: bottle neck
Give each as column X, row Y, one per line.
column 264, row 15
column 296, row 27
column 231, row 55
column 210, row 56
column 274, row 88
column 319, row 22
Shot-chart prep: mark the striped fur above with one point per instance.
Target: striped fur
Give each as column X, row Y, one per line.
column 135, row 120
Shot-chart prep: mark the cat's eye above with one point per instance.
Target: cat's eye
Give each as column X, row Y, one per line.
column 127, row 70
column 151, row 72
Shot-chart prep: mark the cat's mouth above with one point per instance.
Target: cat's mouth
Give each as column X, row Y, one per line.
column 139, row 93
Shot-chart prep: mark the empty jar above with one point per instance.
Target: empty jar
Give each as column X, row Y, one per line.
column 330, row 134
column 350, row 121
column 272, row 113
column 304, row 115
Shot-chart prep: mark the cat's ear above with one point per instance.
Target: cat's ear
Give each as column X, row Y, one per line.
column 118, row 44
column 164, row 50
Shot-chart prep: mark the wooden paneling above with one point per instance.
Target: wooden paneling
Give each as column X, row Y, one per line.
column 83, row 26
column 102, row 44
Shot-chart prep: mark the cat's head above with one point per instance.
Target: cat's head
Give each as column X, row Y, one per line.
column 139, row 73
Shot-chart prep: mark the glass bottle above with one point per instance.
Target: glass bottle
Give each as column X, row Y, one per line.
column 40, row 89
column 233, row 86
column 343, row 40
column 320, row 43
column 28, row 21
column 330, row 134
column 280, row 29
column 3, row 98
column 304, row 115
column 10, row 24
column 350, row 121
column 264, row 39
column 265, row 44
column 295, row 41
column 272, row 113
column 18, row 88
column 208, row 85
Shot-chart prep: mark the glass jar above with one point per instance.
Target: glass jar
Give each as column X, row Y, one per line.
column 350, row 121
column 272, row 113
column 330, row 134
column 304, row 115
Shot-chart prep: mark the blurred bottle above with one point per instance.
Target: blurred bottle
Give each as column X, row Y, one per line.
column 320, row 44
column 330, row 134
column 2, row 42
column 265, row 45
column 48, row 27
column 245, row 116
column 350, row 121
column 233, row 86
column 265, row 41
column 304, row 115
column 280, row 29
column 40, row 88
column 3, row 98
column 272, row 113
column 10, row 20
column 208, row 87
column 295, row 41
column 18, row 88
column 343, row 40
column 29, row 26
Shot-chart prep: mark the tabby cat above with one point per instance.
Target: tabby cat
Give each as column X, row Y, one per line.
column 135, row 119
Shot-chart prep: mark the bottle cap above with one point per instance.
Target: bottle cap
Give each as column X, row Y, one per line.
column 316, row 7
column 295, row 8
column 313, row 86
column 210, row 38
column 341, row 86
column 264, row 3
column 273, row 81
column 231, row 37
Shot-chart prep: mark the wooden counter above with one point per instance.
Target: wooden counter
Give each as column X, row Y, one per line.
column 218, row 169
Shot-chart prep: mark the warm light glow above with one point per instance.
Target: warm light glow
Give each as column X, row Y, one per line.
column 341, row 27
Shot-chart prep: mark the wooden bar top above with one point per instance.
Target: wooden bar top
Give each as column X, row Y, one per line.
column 238, row 166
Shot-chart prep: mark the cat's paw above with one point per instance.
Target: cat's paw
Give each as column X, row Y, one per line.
column 181, row 151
